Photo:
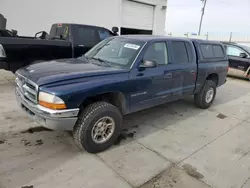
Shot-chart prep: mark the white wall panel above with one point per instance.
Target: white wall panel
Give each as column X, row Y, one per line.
column 31, row 16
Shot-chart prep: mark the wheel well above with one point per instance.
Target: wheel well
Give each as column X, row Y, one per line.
column 115, row 98
column 213, row 77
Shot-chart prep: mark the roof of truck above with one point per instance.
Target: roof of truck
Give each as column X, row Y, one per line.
column 74, row 24
column 205, row 41
column 147, row 38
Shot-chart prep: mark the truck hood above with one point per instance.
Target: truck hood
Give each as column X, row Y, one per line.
column 65, row 69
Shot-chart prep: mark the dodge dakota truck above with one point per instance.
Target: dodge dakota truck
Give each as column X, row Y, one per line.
column 121, row 75
column 64, row 41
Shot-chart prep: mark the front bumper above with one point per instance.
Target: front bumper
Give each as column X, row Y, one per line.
column 52, row 119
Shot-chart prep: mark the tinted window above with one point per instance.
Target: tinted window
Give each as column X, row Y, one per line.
column 191, row 57
column 157, row 52
column 218, row 51
column 234, row 51
column 103, row 34
column 85, row 35
column 247, row 48
column 207, row 50
column 179, row 52
column 5, row 33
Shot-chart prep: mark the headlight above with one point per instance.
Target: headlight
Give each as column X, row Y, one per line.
column 2, row 52
column 51, row 101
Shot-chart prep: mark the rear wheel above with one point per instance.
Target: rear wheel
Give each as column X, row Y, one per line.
column 98, row 127
column 206, row 96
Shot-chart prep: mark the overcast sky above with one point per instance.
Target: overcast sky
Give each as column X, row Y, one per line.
column 221, row 16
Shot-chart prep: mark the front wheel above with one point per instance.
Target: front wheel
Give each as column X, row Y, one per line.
column 205, row 97
column 98, row 127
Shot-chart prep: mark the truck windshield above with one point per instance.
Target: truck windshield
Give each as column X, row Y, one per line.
column 59, row 31
column 118, row 52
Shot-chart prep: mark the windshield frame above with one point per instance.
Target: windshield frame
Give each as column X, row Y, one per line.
column 94, row 51
column 246, row 48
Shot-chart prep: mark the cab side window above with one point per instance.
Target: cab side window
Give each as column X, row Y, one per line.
column 158, row 53
column 85, row 35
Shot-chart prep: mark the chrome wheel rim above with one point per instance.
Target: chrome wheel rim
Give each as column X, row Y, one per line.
column 103, row 130
column 209, row 95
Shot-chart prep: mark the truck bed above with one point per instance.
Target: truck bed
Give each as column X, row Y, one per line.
column 31, row 49
column 208, row 63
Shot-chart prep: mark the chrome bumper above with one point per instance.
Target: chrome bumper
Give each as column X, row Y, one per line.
column 52, row 119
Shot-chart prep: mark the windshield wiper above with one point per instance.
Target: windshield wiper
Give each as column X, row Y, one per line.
column 102, row 60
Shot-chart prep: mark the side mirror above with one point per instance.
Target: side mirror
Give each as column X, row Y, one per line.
column 43, row 35
column 115, row 30
column 243, row 55
column 148, row 64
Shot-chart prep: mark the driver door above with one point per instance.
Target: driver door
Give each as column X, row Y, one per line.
column 238, row 65
column 152, row 86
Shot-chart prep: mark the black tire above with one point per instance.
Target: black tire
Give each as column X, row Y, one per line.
column 200, row 98
column 88, row 117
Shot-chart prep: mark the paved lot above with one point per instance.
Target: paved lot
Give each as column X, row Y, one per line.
column 173, row 145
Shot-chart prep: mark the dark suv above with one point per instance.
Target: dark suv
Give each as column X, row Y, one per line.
column 239, row 59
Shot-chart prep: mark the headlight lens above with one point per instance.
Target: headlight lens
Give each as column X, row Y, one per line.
column 2, row 52
column 51, row 101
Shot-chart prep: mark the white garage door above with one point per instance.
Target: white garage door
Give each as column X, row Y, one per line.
column 137, row 15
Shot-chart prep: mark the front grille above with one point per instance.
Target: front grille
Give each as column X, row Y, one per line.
column 27, row 88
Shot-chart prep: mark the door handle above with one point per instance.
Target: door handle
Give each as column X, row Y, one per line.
column 80, row 45
column 168, row 75
column 140, row 74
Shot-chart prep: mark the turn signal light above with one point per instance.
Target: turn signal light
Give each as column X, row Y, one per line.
column 53, row 106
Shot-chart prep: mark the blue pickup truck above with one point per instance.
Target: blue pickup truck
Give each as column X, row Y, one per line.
column 121, row 75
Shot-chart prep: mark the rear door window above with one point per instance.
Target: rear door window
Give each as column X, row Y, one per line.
column 191, row 56
column 85, row 35
column 179, row 52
